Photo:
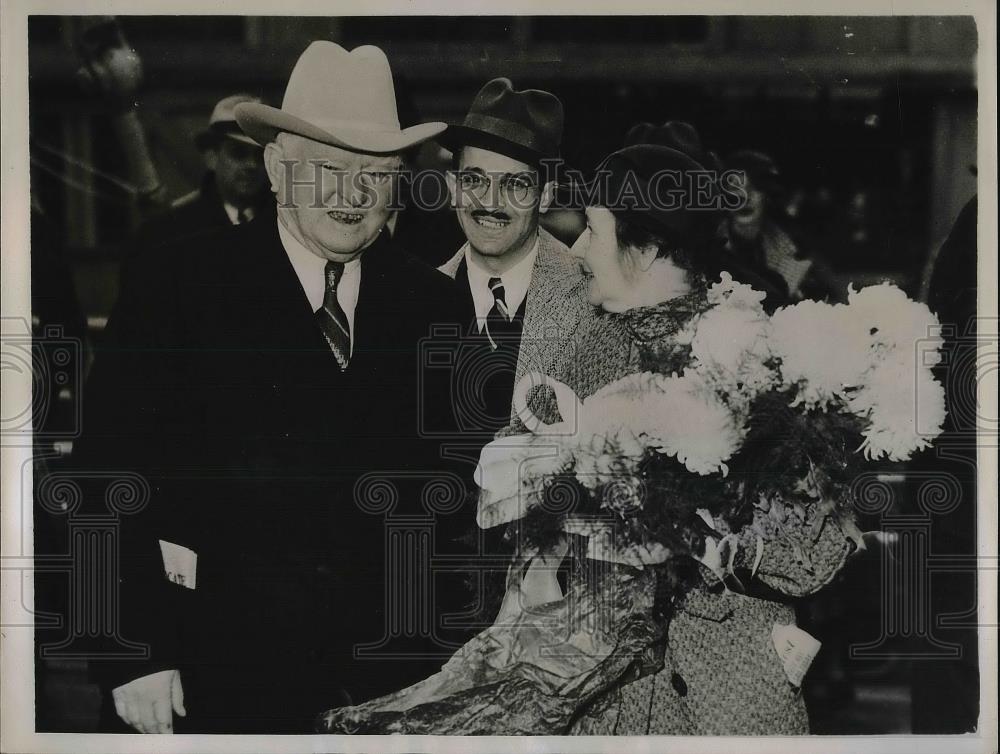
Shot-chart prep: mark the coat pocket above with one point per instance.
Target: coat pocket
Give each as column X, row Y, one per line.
column 711, row 605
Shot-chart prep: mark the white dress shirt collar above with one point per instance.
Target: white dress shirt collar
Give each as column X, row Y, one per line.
column 310, row 269
column 234, row 214
column 515, row 283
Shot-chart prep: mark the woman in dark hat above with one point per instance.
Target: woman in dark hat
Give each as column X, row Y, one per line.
column 650, row 249
column 650, row 264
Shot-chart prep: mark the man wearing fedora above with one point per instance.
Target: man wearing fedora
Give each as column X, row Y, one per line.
column 255, row 382
column 522, row 294
column 233, row 190
column 520, row 288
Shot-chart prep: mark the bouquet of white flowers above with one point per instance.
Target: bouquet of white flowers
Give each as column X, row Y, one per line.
column 786, row 409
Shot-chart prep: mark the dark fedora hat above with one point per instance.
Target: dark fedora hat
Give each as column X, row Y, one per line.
column 525, row 125
column 222, row 123
column 658, row 188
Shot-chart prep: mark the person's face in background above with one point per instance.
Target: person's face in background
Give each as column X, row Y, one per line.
column 497, row 200
column 334, row 201
column 746, row 223
column 239, row 171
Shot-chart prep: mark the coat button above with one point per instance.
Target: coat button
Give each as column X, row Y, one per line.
column 679, row 685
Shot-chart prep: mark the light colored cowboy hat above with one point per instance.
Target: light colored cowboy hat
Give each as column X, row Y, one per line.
column 337, row 97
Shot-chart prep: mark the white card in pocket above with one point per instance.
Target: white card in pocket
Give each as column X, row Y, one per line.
column 796, row 648
column 179, row 563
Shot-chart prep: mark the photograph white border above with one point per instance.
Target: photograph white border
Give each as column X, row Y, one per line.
column 16, row 644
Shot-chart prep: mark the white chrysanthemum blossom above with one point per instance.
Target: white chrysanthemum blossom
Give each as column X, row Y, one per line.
column 678, row 416
column 615, row 423
column 896, row 322
column 703, row 433
column 620, row 403
column 904, row 408
column 823, row 350
column 730, row 350
column 731, row 293
column 635, row 385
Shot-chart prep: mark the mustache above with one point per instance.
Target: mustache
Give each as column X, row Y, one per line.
column 478, row 213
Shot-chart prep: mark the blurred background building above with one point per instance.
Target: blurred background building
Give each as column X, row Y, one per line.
column 872, row 121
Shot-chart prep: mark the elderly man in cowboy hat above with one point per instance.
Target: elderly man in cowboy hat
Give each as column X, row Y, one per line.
column 523, row 295
column 257, row 382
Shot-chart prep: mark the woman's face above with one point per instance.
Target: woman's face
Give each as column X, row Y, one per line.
column 612, row 283
column 747, row 221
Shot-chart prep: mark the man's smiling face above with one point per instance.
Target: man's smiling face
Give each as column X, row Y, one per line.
column 497, row 200
column 334, row 201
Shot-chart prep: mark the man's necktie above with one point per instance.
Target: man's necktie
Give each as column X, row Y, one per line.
column 244, row 216
column 332, row 319
column 499, row 320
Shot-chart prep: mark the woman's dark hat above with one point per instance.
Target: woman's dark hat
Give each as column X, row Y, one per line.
column 659, row 188
column 525, row 125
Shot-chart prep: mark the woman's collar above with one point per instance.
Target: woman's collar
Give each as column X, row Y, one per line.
column 660, row 320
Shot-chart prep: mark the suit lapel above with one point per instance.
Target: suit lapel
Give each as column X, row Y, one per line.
column 458, row 270
column 451, row 267
column 379, row 296
column 468, row 304
column 284, row 319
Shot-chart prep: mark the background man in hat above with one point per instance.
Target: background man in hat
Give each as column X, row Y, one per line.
column 522, row 293
column 234, row 189
column 258, row 382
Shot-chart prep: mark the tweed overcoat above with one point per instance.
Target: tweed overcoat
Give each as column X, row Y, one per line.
column 722, row 674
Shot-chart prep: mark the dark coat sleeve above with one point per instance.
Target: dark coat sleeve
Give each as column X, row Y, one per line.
column 133, row 427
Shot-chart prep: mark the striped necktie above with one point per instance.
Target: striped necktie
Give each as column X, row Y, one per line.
column 332, row 319
column 499, row 321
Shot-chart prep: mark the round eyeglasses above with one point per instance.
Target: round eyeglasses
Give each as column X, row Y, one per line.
column 515, row 188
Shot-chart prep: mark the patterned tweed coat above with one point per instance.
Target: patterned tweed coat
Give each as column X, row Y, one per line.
column 556, row 307
column 721, row 673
